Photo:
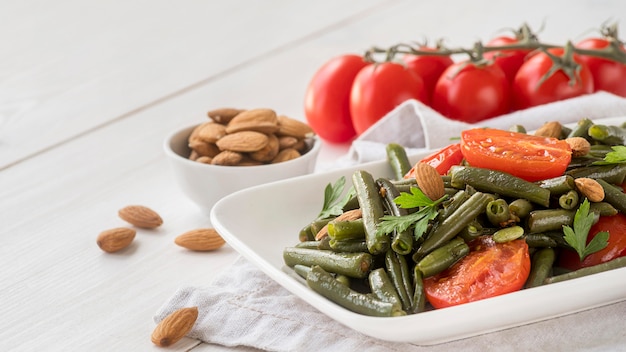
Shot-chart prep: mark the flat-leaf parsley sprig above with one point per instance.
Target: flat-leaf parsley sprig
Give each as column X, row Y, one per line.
column 333, row 202
column 420, row 219
column 616, row 156
column 577, row 237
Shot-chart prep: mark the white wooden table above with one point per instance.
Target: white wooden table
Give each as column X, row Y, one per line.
column 89, row 90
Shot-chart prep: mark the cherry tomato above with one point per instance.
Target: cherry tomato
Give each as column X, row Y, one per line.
column 441, row 160
column 379, row 88
column 327, row 98
column 608, row 75
column 472, row 93
column 508, row 60
column 526, row 156
column 616, row 227
column 490, row 269
column 429, row 67
column 528, row 90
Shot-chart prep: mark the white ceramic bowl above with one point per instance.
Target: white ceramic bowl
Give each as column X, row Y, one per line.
column 205, row 184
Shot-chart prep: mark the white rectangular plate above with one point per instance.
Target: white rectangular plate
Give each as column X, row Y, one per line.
column 260, row 221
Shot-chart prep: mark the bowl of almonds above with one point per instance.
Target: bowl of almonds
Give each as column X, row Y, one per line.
column 236, row 149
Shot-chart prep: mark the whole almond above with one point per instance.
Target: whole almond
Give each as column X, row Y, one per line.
column 227, row 158
column 244, row 141
column 223, row 115
column 194, row 133
column 285, row 142
column 211, row 132
column 579, row 145
column 140, row 216
column 269, row 152
column 549, row 129
column 286, row 155
column 174, row 327
column 203, row 148
column 116, row 239
column 294, row 128
column 260, row 120
column 429, row 181
column 200, row 240
column 204, row 159
column 590, row 188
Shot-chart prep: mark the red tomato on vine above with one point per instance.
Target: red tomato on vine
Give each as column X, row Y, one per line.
column 508, row 60
column 471, row 92
column 327, row 98
column 379, row 88
column 608, row 75
column 537, row 82
column 429, row 67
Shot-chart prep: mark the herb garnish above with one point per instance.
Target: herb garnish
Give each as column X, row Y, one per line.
column 419, row 219
column 577, row 237
column 333, row 203
column 617, row 156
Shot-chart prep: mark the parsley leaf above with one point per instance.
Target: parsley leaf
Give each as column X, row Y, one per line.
column 333, row 203
column 419, row 219
column 617, row 156
column 577, row 237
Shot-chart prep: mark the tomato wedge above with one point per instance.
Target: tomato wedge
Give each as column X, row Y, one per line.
column 616, row 227
column 441, row 160
column 490, row 269
column 532, row 158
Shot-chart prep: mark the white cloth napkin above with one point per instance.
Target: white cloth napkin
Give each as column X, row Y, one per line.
column 244, row 307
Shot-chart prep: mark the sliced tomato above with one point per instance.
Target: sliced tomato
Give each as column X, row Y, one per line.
column 490, row 269
column 532, row 158
column 616, row 227
column 441, row 160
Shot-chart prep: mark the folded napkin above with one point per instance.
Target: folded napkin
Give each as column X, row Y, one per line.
column 244, row 307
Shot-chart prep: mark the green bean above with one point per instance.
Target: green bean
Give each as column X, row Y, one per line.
column 399, row 275
column 614, row 196
column 610, row 265
column 309, row 244
column 353, row 203
column 539, row 240
column 346, row 280
column 600, row 150
column 451, row 205
column 351, row 264
column 453, row 224
column 323, row 283
column 317, row 225
column 443, row 257
column 581, row 128
column 565, row 131
column 349, row 246
column 603, row 208
column 302, row 270
column 472, row 231
column 517, row 128
column 498, row 212
column 324, row 243
column 569, row 200
column 382, row 287
column 541, row 267
column 612, row 135
column 498, row 182
column 397, row 159
column 558, row 185
column 419, row 296
column 520, row 207
column 508, row 234
column 346, row 230
column 549, row 220
column 306, row 234
column 615, row 174
column 402, row 242
column 372, row 209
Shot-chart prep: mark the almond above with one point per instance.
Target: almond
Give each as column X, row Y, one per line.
column 140, row 216
column 223, row 115
column 204, row 159
column 211, row 132
column 549, row 129
column 294, row 128
column 203, row 148
column 286, row 155
column 174, row 327
column 227, row 158
column 115, row 239
column 429, row 181
column 345, row 216
column 285, row 142
column 260, row 120
column 244, row 141
column 194, row 133
column 579, row 145
column 200, row 240
column 590, row 188
column 269, row 152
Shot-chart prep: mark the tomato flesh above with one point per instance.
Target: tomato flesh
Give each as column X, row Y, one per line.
column 616, row 227
column 441, row 160
column 532, row 158
column 490, row 269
